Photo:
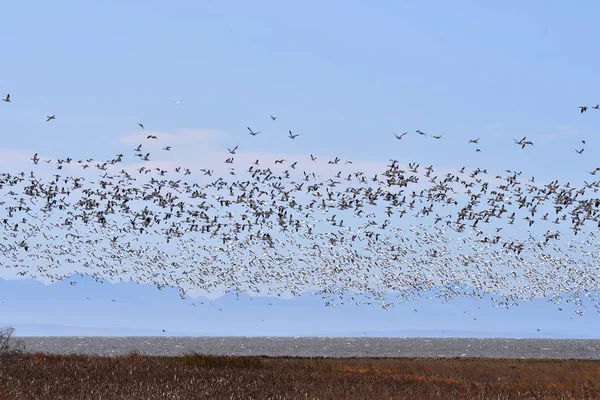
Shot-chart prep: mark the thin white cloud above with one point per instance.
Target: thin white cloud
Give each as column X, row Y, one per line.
column 184, row 136
column 561, row 131
column 12, row 156
column 206, row 148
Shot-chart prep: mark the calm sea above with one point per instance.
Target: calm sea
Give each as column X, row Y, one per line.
column 319, row 347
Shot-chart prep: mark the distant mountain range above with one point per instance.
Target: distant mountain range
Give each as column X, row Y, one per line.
column 127, row 309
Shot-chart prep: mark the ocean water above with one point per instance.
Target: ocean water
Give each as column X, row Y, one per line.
column 319, row 347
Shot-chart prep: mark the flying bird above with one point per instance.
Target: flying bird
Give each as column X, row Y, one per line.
column 252, row 132
column 273, row 118
column 421, row 133
column 583, row 109
column 293, row 136
column 151, row 137
column 141, row 125
column 528, row 142
column 400, row 136
column 474, row 141
column 50, row 117
column 7, row 98
column 523, row 142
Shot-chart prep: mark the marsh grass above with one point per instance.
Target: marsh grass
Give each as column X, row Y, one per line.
column 196, row 376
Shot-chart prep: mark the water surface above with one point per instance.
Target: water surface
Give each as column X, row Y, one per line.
column 319, row 347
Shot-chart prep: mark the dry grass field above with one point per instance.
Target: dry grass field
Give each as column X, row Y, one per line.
column 41, row 376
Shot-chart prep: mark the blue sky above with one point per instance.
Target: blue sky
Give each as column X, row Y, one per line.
column 329, row 71
column 140, row 310
column 345, row 75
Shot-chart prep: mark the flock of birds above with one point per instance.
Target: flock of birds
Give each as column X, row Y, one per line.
column 285, row 227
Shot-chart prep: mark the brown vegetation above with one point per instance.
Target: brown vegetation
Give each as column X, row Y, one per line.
column 41, row 376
